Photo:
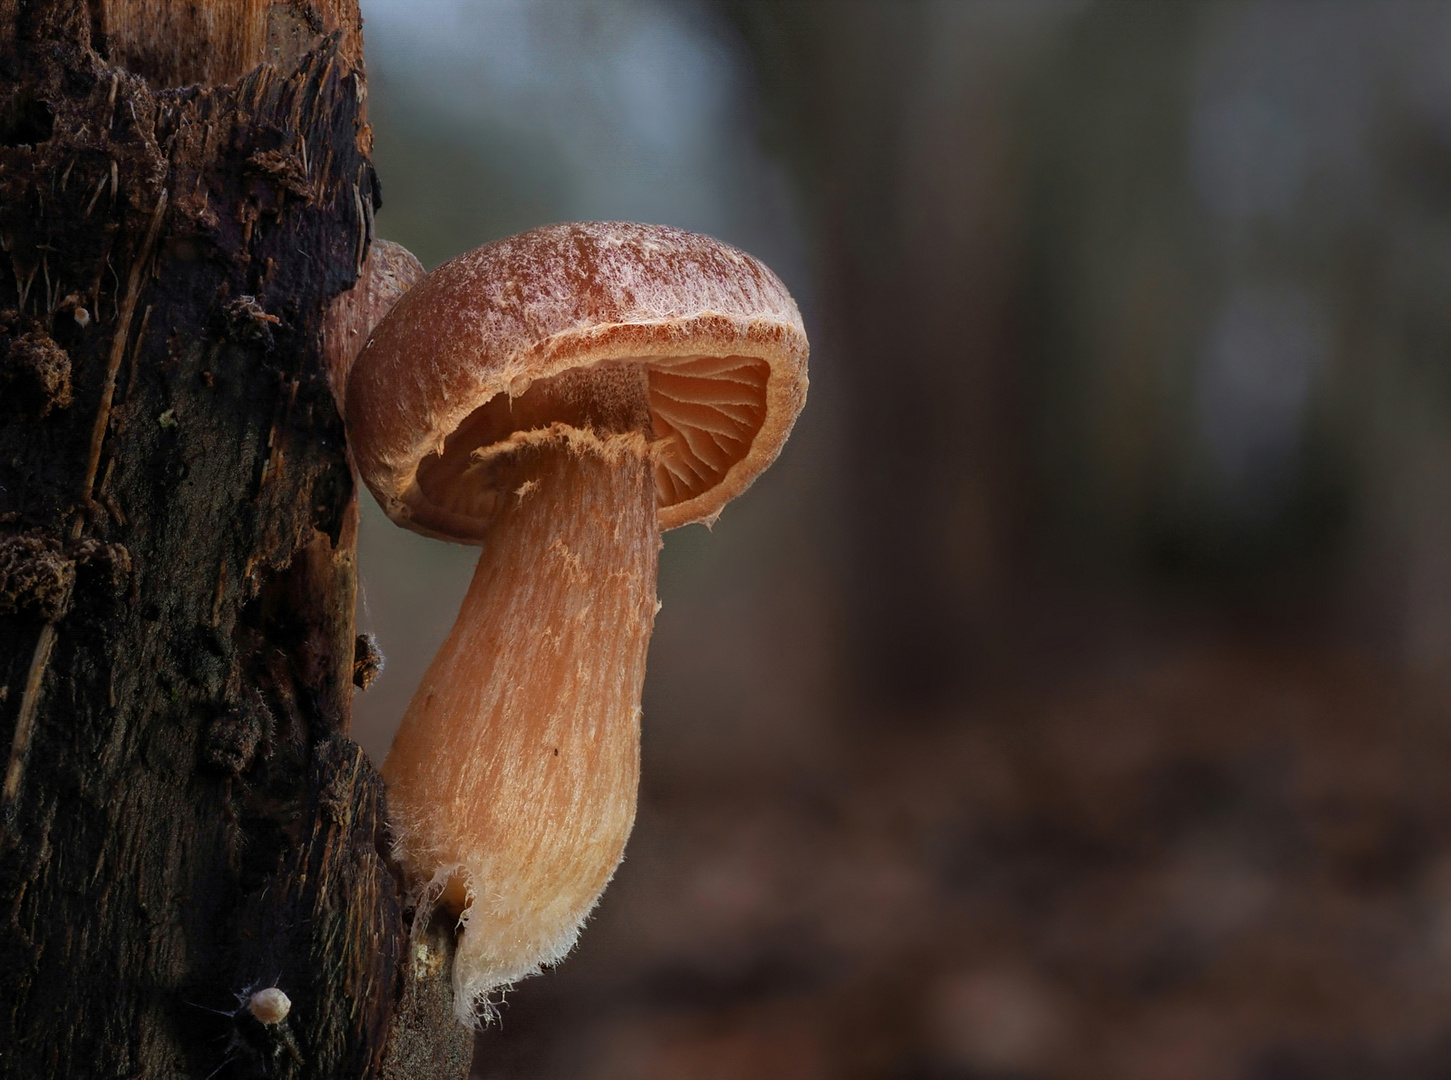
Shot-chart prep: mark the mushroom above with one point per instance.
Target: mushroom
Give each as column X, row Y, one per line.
column 558, row 398
column 389, row 271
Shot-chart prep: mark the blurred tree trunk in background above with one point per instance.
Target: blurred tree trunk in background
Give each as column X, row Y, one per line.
column 1238, row 281
column 893, row 115
column 183, row 191
column 1148, row 299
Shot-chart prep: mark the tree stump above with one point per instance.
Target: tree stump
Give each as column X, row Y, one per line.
column 184, row 190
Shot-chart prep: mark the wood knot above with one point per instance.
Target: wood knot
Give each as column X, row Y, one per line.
column 231, row 741
column 36, row 576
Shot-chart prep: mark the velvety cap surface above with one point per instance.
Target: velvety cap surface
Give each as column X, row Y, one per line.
column 718, row 334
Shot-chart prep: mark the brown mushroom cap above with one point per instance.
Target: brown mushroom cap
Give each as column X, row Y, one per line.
column 446, row 377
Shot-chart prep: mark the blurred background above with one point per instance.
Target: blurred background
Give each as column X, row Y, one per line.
column 1071, row 699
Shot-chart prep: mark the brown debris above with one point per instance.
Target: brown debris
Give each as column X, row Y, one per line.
column 103, row 566
column 425, row 1039
column 36, row 374
column 367, row 660
column 250, row 321
column 36, row 577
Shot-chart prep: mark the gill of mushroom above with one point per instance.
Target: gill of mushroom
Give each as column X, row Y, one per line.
column 569, row 425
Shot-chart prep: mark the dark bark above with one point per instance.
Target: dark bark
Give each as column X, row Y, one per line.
column 183, row 819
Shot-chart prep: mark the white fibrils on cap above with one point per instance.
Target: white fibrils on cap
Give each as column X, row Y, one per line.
column 269, row 1006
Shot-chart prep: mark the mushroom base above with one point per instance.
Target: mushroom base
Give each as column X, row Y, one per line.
column 512, row 779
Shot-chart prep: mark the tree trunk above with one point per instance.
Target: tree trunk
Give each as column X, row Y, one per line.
column 184, row 189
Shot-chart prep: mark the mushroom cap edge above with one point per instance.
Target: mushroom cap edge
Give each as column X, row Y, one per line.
column 501, row 317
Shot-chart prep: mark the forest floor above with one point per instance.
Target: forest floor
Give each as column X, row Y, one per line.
column 1223, row 859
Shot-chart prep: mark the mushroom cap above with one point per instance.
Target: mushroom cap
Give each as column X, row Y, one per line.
column 389, row 272
column 717, row 333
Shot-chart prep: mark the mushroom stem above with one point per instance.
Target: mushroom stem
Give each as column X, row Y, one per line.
column 513, row 777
